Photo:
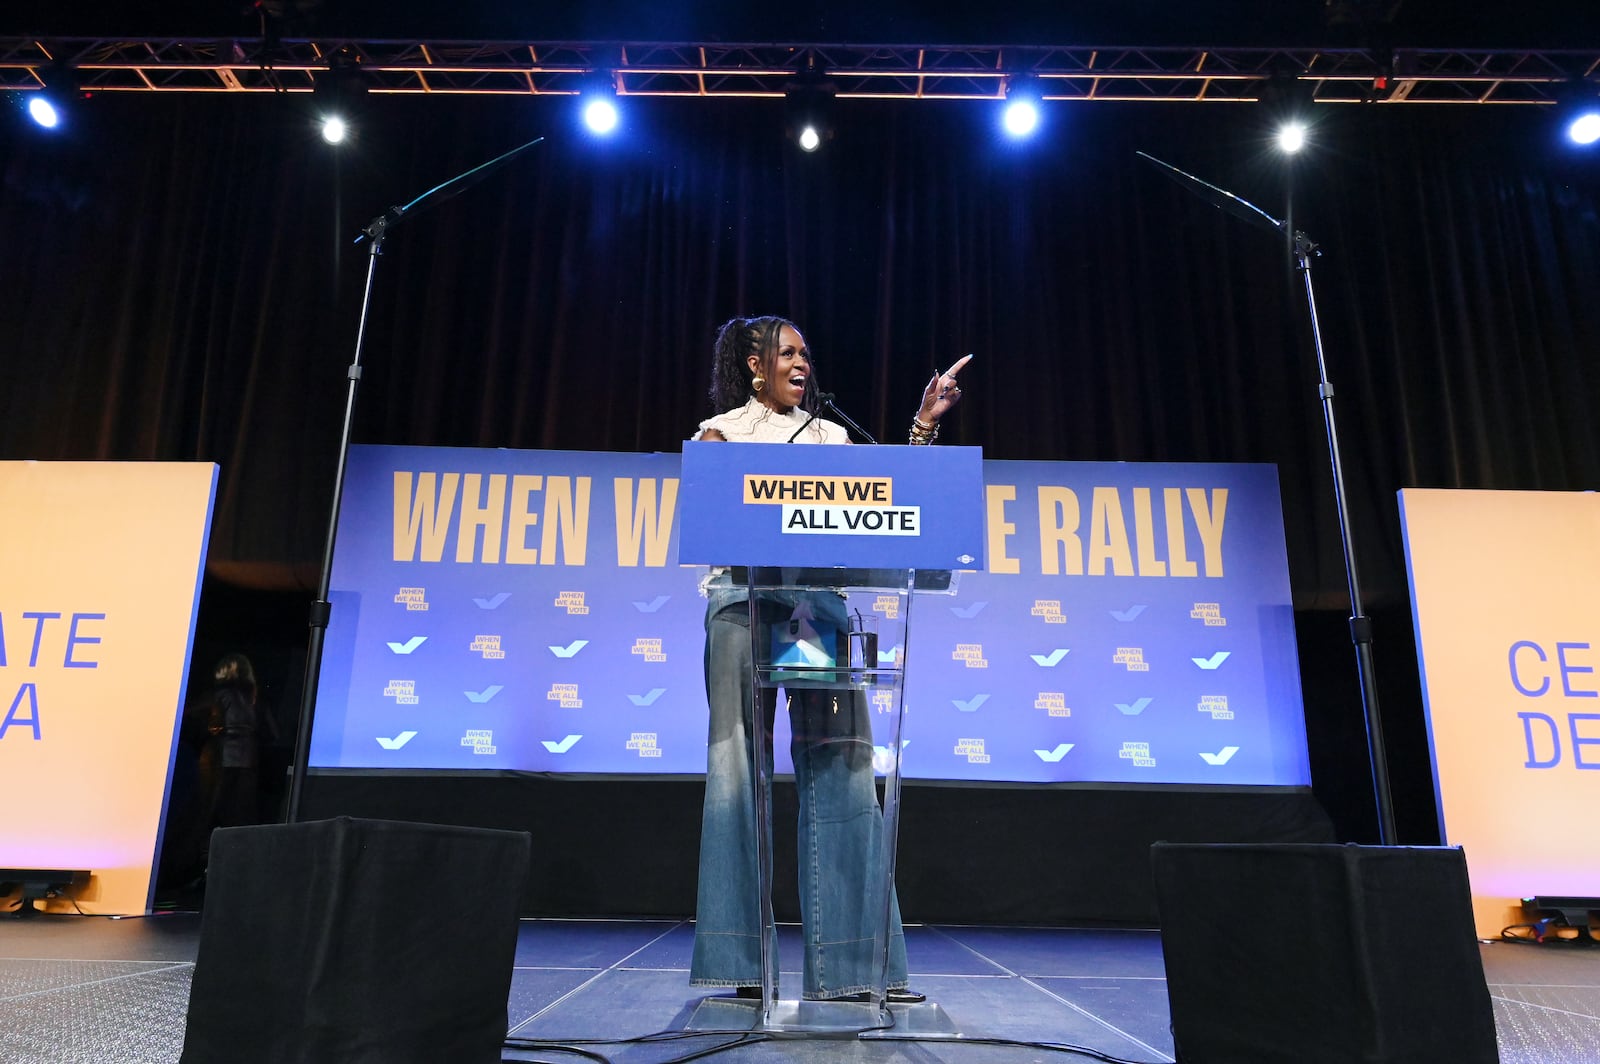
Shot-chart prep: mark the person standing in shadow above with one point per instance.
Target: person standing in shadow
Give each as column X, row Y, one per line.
column 230, row 764
column 215, row 774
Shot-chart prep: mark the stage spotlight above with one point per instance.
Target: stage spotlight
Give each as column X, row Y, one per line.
column 600, row 113
column 808, row 107
column 1288, row 101
column 337, row 97
column 49, row 105
column 1020, row 116
column 1584, row 129
column 44, row 111
column 1578, row 111
column 597, row 102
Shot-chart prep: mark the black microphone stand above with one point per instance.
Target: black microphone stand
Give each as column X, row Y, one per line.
column 827, row 401
column 1304, row 251
column 375, row 231
column 823, row 399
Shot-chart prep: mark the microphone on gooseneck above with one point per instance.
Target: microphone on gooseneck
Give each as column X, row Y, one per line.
column 826, row 400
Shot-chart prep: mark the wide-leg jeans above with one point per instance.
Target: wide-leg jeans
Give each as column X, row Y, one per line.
column 839, row 835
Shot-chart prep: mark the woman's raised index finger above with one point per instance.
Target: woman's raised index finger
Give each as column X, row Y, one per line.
column 953, row 370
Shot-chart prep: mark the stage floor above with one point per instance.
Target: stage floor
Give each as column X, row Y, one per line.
column 75, row 990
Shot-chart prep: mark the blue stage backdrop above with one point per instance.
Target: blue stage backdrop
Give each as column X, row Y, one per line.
column 525, row 611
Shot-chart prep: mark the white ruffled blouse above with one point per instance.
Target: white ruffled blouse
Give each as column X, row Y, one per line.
column 755, row 423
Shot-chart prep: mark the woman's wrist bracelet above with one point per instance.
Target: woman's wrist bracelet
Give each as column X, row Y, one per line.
column 922, row 434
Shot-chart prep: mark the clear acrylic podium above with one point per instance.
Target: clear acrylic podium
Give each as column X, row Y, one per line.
column 833, row 617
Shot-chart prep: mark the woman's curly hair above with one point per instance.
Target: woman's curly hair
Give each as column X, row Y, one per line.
column 736, row 341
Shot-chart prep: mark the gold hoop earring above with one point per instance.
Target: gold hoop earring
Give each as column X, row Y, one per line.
column 757, row 383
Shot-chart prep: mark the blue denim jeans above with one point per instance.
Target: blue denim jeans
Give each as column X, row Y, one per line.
column 840, row 830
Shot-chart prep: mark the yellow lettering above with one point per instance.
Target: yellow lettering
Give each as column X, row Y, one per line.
column 1108, row 535
column 490, row 517
column 565, row 519
column 1144, row 535
column 1209, row 521
column 1059, row 514
column 1177, row 540
column 995, row 498
column 523, row 485
column 425, row 514
column 644, row 523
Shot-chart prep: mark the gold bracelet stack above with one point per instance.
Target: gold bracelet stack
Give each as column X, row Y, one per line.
column 921, row 434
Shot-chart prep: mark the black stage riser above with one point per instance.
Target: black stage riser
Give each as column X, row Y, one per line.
column 1014, row 855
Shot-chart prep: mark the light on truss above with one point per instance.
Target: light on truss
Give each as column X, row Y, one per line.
column 50, row 105
column 600, row 114
column 43, row 111
column 1288, row 102
column 1584, row 128
column 1578, row 111
column 338, row 95
column 597, row 103
column 808, row 104
column 1020, row 115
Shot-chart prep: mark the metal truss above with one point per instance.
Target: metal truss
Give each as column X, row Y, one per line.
column 902, row 72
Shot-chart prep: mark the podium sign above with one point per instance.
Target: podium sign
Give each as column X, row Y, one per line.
column 765, row 504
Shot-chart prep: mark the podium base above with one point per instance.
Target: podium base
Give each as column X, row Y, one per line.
column 822, row 1019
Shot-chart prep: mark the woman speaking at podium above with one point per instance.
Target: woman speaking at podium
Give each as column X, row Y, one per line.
column 764, row 383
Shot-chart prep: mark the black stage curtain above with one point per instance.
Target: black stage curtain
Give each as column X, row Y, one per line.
column 179, row 282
